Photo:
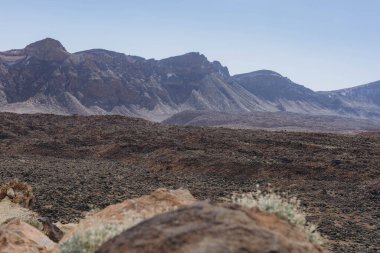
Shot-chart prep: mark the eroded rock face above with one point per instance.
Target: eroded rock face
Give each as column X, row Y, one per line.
column 204, row 227
column 43, row 77
column 19, row 237
column 47, row 50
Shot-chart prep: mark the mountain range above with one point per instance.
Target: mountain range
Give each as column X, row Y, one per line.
column 45, row 78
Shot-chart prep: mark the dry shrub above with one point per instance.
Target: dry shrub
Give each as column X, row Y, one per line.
column 283, row 206
column 90, row 239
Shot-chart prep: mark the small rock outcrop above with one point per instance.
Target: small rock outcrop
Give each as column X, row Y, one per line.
column 18, row 192
column 16, row 199
column 50, row 229
column 19, row 237
column 203, row 227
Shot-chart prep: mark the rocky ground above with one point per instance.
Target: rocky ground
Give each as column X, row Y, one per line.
column 77, row 163
column 275, row 121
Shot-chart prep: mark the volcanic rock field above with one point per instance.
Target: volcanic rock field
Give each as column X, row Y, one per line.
column 76, row 164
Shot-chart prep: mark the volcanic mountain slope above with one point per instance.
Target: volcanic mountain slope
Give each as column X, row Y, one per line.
column 77, row 163
column 44, row 77
column 289, row 96
column 364, row 98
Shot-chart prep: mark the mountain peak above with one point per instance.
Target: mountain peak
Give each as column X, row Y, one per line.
column 47, row 42
column 192, row 57
column 47, row 49
column 195, row 62
column 263, row 72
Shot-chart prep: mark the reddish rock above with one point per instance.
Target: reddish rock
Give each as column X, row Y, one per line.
column 19, row 237
column 18, row 192
column 157, row 202
column 204, row 227
column 160, row 201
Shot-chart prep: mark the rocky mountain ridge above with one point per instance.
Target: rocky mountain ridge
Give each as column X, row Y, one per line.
column 45, row 78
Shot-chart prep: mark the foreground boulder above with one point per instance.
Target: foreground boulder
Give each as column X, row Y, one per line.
column 127, row 213
column 19, row 237
column 159, row 201
column 207, row 228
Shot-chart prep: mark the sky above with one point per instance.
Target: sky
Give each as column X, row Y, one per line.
column 321, row 44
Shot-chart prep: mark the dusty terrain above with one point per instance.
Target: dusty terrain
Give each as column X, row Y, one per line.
column 274, row 121
column 79, row 163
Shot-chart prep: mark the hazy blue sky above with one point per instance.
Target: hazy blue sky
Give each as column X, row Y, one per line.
column 322, row 44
